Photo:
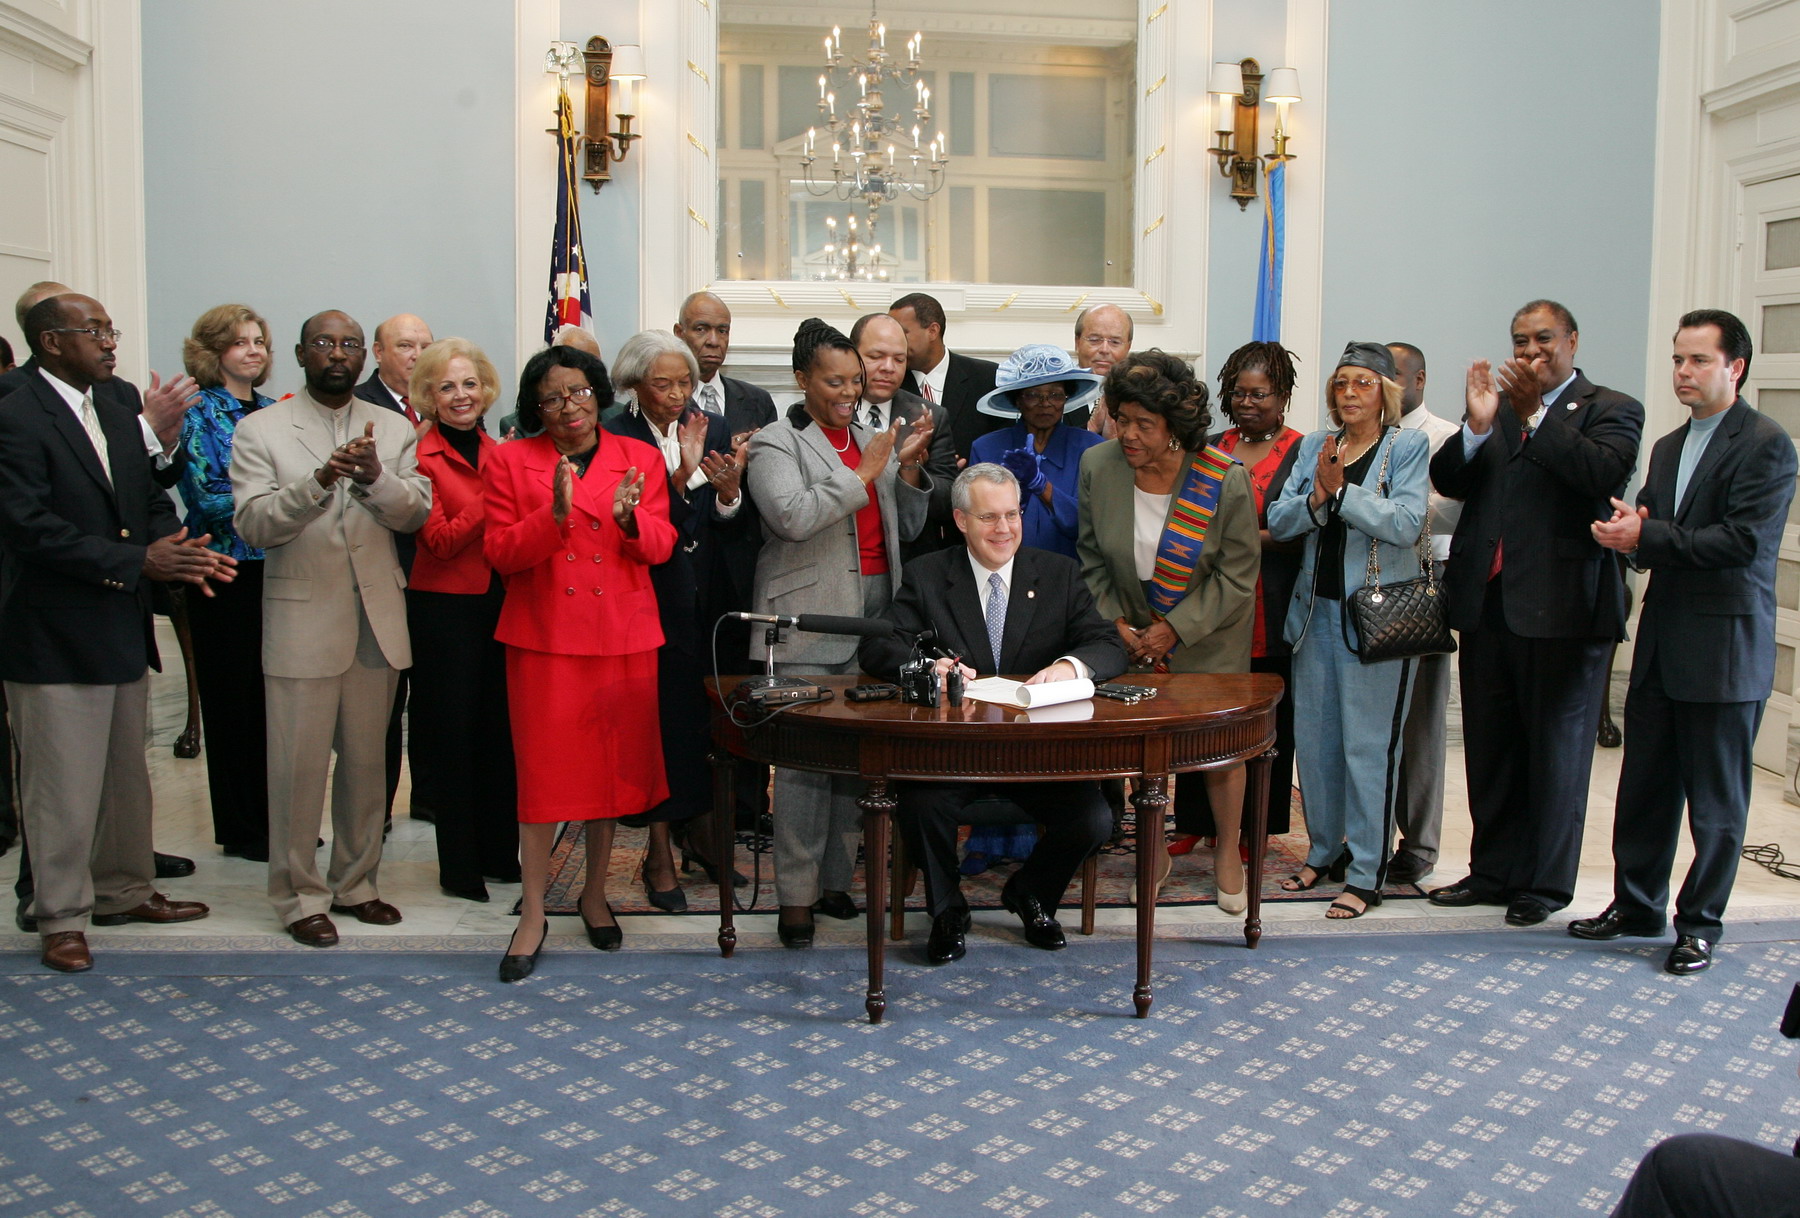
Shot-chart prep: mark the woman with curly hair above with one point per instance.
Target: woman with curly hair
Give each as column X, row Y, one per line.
column 836, row 500
column 228, row 356
column 1256, row 384
column 1168, row 546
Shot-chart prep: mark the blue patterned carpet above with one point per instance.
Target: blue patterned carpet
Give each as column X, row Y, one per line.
column 1478, row 1074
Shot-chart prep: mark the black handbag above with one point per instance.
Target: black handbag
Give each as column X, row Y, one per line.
column 1399, row 621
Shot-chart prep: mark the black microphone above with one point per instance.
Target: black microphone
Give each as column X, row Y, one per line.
column 821, row 623
column 825, row 623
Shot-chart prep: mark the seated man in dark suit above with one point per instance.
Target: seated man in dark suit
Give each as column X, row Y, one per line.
column 1030, row 609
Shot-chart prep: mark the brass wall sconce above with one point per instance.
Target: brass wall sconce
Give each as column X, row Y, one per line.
column 612, row 74
column 1241, row 88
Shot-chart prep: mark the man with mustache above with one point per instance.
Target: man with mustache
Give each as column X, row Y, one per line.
column 84, row 529
column 322, row 482
column 1539, row 603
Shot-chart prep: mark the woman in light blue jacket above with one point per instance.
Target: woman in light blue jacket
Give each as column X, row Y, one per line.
column 1363, row 483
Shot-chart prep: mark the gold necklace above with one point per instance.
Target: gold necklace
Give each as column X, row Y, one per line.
column 1348, row 460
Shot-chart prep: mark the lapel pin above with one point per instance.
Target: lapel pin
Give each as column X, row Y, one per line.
column 1030, row 593
column 1571, row 406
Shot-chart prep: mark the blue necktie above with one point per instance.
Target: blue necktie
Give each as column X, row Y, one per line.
column 996, row 615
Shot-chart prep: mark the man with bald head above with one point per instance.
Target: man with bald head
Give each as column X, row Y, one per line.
column 84, row 529
column 398, row 343
column 322, row 482
column 705, row 326
column 881, row 342
column 1103, row 335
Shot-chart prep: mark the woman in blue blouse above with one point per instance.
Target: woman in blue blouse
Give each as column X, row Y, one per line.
column 228, row 355
column 1038, row 385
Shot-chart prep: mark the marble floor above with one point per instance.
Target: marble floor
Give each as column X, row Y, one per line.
column 240, row 911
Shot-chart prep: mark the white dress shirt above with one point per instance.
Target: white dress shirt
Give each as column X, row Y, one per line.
column 984, row 593
column 74, row 396
column 1444, row 512
column 934, row 380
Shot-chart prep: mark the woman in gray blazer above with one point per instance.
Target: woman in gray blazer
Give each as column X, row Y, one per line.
column 836, row 500
column 1180, row 603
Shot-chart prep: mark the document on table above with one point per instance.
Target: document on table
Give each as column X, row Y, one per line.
column 1025, row 697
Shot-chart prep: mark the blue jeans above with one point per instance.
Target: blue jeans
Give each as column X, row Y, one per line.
column 1348, row 720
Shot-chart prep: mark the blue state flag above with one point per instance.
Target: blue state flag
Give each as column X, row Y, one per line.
column 1267, row 327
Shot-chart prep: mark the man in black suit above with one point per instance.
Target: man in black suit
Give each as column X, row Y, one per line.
column 882, row 344
column 84, row 529
column 399, row 341
column 1001, row 608
column 1539, row 604
column 941, row 376
column 705, row 326
column 1708, row 526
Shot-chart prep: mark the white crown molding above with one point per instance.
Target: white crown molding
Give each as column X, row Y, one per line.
column 58, row 48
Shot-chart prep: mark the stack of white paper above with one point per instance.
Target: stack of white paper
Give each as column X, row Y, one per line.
column 1023, row 696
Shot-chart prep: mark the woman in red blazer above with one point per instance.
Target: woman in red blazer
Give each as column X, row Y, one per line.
column 573, row 527
column 461, row 733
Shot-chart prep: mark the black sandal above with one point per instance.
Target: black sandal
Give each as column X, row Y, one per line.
column 1368, row 896
column 1300, row 885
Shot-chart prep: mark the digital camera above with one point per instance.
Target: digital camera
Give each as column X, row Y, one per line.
column 920, row 684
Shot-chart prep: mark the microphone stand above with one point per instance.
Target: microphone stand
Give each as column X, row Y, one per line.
column 769, row 689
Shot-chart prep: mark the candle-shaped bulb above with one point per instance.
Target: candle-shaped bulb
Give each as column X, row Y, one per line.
column 881, row 33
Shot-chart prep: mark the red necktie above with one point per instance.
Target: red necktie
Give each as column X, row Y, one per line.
column 1500, row 545
column 412, row 416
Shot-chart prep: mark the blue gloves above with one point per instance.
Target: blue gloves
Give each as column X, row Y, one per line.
column 1025, row 465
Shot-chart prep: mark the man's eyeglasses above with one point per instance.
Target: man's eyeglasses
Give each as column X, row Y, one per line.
column 349, row 346
column 1362, row 383
column 94, row 332
column 581, row 395
column 1012, row 517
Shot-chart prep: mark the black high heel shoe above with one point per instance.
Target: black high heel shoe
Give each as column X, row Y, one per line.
column 1368, row 896
column 669, row 900
column 517, row 968
column 1340, row 866
column 605, row 938
column 690, row 860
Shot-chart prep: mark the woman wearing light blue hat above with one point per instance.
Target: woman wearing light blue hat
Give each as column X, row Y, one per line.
column 1039, row 385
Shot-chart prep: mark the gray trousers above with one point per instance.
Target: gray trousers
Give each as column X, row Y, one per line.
column 310, row 718
column 84, row 789
column 817, row 821
column 1419, row 814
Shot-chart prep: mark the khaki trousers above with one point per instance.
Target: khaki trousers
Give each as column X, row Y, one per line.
column 84, row 786
column 310, row 718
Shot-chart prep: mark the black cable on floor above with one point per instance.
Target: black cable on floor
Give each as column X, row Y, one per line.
column 1770, row 856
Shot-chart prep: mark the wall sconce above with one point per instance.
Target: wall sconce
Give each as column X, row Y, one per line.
column 1240, row 89
column 612, row 75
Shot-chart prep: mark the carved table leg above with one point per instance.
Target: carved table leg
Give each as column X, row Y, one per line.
column 1151, row 799
column 1258, row 829
column 724, row 841
column 877, row 803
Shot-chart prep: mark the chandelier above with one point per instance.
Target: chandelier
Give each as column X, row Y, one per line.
column 855, row 255
column 876, row 151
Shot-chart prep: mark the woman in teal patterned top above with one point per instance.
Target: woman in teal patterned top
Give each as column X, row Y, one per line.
column 228, row 354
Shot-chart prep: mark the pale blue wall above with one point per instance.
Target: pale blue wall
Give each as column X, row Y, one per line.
column 330, row 154
column 1480, row 156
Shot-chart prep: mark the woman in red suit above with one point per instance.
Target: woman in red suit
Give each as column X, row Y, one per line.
column 460, row 728
column 573, row 527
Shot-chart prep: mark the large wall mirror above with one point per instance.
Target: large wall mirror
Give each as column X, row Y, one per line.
column 853, row 144
column 1060, row 163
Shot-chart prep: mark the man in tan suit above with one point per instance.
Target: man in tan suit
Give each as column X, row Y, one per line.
column 322, row 481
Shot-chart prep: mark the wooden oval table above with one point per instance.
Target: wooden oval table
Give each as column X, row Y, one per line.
column 1198, row 721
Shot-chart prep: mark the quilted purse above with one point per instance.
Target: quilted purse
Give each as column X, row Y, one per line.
column 1409, row 618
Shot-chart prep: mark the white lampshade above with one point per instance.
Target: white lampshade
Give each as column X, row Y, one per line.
column 1227, row 79
column 1282, row 85
column 628, row 62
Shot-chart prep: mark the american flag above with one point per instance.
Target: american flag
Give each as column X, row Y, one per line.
column 569, row 303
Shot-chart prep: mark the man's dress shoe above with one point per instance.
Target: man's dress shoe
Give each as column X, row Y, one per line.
column 157, row 908
column 946, row 942
column 1408, row 868
column 173, row 866
column 1526, row 911
column 1458, row 895
column 1041, row 930
column 66, row 951
column 836, row 905
column 1690, row 955
column 1613, row 924
column 371, row 913
column 316, row 931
